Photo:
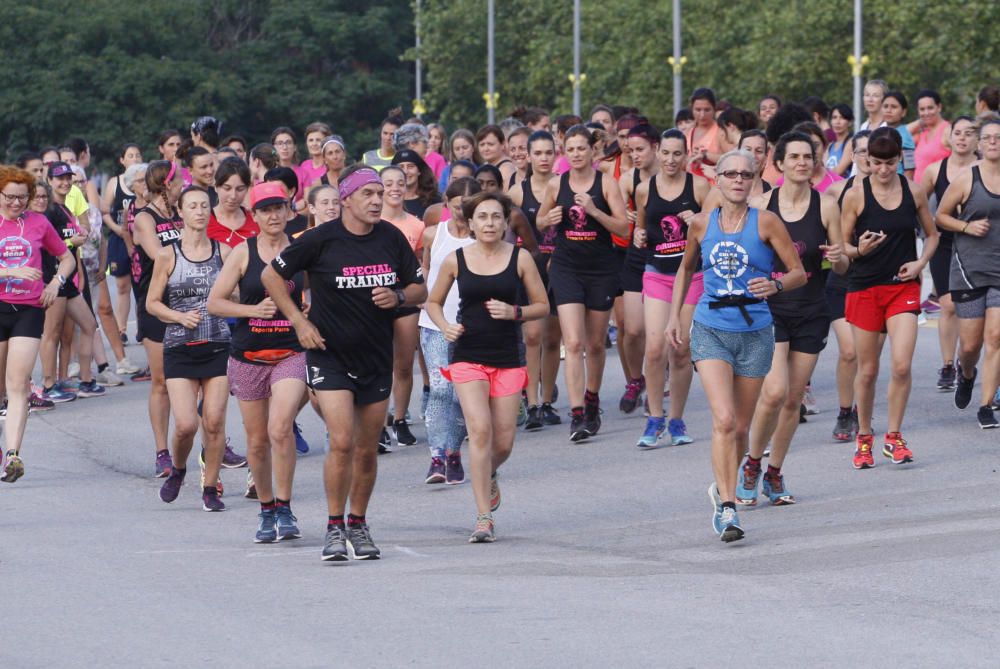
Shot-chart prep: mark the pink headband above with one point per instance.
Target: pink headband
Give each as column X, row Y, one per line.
column 170, row 174
column 356, row 180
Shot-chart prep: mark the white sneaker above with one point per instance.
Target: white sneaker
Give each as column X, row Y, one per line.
column 126, row 367
column 74, row 370
column 108, row 378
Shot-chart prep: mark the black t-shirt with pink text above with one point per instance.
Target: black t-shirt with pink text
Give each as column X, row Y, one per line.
column 343, row 270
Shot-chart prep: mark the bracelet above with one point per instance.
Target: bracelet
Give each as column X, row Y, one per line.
column 62, row 280
column 400, row 296
column 517, row 313
column 965, row 228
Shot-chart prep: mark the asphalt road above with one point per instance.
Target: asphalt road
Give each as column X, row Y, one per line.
column 605, row 554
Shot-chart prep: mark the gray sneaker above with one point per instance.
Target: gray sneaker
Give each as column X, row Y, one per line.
column 335, row 547
column 483, row 534
column 359, row 540
column 266, row 531
column 287, row 529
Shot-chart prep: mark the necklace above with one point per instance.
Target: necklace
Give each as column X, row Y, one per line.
column 739, row 221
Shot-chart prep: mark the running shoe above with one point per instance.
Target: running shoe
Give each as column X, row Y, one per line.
column 211, row 500
column 896, row 449
column 549, row 415
column 578, row 428
column 163, row 464
column 359, row 542
column 844, row 428
column 494, row 493
column 633, row 395
column 987, row 420
column 946, row 378
column 109, row 379
column 522, row 410
column 287, row 528
column 436, row 473
column 124, row 339
column 68, row 385
column 57, row 396
column 963, row 388
column 775, row 490
column 655, row 425
column 90, row 389
column 73, row 370
column 37, row 403
column 201, row 482
column 534, row 421
column 810, row 402
column 251, row 491
column 454, row 472
column 402, row 432
column 13, row 467
column 746, row 484
column 678, row 432
column 854, row 420
column 483, row 534
column 231, row 459
column 301, row 445
column 126, row 367
column 267, row 531
column 172, row 486
column 863, row 458
column 142, row 375
column 716, row 499
column 930, row 306
column 384, row 442
column 592, row 418
column 335, row 545
column 730, row 522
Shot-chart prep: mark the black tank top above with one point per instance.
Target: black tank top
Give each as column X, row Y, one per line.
column 666, row 233
column 807, row 234
column 530, row 206
column 486, row 340
column 940, row 186
column 879, row 266
column 142, row 265
column 836, row 281
column 583, row 244
column 62, row 220
column 121, row 201
column 258, row 335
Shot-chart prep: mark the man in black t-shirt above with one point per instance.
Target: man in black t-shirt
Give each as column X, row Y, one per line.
column 360, row 270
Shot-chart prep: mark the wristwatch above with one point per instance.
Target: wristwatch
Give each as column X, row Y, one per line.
column 400, row 296
column 778, row 285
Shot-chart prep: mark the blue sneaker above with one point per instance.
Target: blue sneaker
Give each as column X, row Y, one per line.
column 301, row 445
column 90, row 389
column 746, row 485
column 713, row 495
column 287, row 529
column 654, row 428
column 774, row 488
column 678, row 432
column 731, row 530
column 54, row 394
column 267, row 531
column 68, row 385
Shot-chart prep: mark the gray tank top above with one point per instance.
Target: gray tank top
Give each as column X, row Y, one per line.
column 187, row 290
column 975, row 261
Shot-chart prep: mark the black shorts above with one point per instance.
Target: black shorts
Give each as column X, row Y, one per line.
column 940, row 265
column 403, row 312
column 366, row 388
column 118, row 261
column 804, row 334
column 149, row 327
column 21, row 320
column 633, row 269
column 596, row 292
column 836, row 296
column 196, row 361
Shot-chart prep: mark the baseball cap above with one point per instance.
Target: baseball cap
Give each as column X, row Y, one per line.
column 60, row 169
column 267, row 193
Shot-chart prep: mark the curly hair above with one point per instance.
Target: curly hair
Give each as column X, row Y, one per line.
column 15, row 175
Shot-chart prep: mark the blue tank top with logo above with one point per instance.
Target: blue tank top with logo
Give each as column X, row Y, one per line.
column 729, row 262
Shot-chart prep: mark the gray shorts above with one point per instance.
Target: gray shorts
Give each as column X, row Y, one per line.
column 749, row 353
column 973, row 302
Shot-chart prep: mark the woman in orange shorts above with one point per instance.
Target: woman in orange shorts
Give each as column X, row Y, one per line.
column 487, row 364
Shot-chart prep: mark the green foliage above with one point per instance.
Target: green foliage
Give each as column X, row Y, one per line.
column 743, row 50
column 114, row 71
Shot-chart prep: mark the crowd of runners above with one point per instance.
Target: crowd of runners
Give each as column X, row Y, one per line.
column 730, row 245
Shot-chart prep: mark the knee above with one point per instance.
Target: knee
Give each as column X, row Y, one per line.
column 680, row 355
column 774, row 397
column 214, row 424
column 279, row 432
column 258, row 446
column 341, row 444
column 595, row 345
column 574, row 346
column 724, row 424
column 901, row 371
column 185, row 430
column 848, row 355
column 634, row 328
column 655, row 349
column 532, row 338
column 479, row 432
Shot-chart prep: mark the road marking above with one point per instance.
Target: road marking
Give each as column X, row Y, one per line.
column 410, row 551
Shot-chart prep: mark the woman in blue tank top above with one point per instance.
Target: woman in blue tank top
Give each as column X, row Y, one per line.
column 731, row 339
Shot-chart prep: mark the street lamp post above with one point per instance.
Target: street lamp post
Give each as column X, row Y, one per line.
column 491, row 96
column 677, row 61
column 576, row 58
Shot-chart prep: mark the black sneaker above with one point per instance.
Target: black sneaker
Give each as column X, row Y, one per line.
column 577, row 427
column 946, row 378
column 384, row 442
column 210, row 500
column 963, row 388
column 987, row 421
column 534, row 421
column 403, row 435
column 335, row 546
column 844, row 429
column 359, row 541
column 549, row 415
column 592, row 418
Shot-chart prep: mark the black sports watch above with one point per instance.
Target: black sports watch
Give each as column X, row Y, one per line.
column 778, row 285
column 400, row 296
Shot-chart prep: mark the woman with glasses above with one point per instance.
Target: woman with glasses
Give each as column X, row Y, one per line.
column 24, row 235
column 732, row 340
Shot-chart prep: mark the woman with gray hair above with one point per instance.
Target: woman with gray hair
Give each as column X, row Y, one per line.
column 416, row 137
column 731, row 339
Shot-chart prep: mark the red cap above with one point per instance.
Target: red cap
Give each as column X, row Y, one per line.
column 267, row 193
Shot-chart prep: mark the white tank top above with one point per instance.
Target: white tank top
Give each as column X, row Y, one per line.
column 443, row 244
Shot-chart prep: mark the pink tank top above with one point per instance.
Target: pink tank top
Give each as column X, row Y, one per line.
column 929, row 149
